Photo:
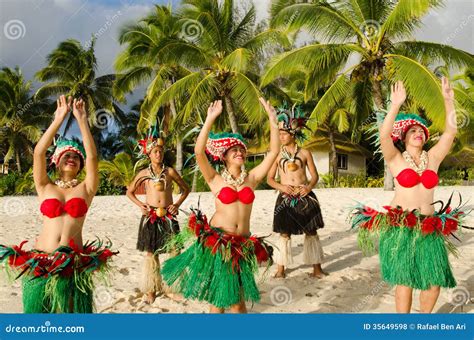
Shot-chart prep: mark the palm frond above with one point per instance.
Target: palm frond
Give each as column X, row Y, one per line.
column 333, row 96
column 422, row 86
column 245, row 92
column 311, row 57
column 434, row 53
column 405, row 17
column 319, row 18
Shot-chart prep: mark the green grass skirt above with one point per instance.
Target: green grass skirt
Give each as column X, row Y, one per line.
column 413, row 248
column 217, row 267
column 56, row 294
column 61, row 281
column 416, row 261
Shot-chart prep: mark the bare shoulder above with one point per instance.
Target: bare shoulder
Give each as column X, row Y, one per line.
column 306, row 153
column 172, row 172
column 143, row 172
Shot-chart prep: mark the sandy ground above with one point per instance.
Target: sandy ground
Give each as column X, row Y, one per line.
column 353, row 285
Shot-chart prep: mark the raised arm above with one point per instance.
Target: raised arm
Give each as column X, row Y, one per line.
column 439, row 151
column 214, row 110
column 398, row 97
column 92, row 164
column 40, row 175
column 260, row 171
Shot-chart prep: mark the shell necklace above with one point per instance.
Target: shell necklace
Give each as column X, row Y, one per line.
column 66, row 184
column 227, row 177
column 158, row 181
column 423, row 161
column 287, row 156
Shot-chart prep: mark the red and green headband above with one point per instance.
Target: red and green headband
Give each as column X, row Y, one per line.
column 403, row 122
column 218, row 143
column 65, row 145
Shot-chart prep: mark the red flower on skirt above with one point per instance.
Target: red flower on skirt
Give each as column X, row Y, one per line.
column 394, row 215
column 410, row 220
column 260, row 251
column 105, row 255
column 211, row 242
column 430, row 224
column 449, row 226
column 368, row 211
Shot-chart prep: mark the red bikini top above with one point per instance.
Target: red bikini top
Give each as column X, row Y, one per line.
column 52, row 207
column 227, row 195
column 409, row 178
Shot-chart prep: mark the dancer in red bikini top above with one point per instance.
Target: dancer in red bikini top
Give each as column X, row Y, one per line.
column 219, row 267
column 61, row 264
column 414, row 238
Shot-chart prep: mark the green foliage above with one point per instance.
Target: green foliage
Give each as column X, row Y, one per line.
column 25, row 185
column 351, row 181
column 7, row 183
column 453, row 176
column 71, row 70
column 107, row 188
column 119, row 171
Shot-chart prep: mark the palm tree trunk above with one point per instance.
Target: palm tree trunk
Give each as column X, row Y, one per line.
column 194, row 184
column 18, row 163
column 333, row 158
column 179, row 142
column 230, row 112
column 388, row 178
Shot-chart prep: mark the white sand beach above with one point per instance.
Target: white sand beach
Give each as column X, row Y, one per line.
column 353, row 286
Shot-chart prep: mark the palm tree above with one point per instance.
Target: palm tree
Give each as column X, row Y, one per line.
column 378, row 34
column 120, row 171
column 21, row 117
column 222, row 52
column 72, row 70
column 145, row 60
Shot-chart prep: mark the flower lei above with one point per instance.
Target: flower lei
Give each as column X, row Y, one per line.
column 423, row 161
column 226, row 175
column 66, row 184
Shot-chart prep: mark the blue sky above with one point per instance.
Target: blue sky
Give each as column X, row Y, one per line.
column 42, row 24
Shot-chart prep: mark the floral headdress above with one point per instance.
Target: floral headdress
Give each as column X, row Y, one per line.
column 64, row 145
column 403, row 122
column 153, row 138
column 218, row 143
column 292, row 121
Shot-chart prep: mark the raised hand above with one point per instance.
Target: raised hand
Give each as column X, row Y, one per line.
column 214, row 110
column 398, row 94
column 79, row 109
column 268, row 107
column 270, row 110
column 62, row 107
column 446, row 89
